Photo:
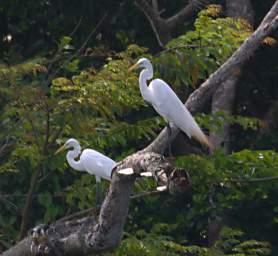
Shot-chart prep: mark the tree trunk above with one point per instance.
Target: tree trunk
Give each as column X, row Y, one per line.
column 223, row 99
column 240, row 9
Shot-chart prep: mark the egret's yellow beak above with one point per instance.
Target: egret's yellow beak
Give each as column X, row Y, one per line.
column 61, row 149
column 136, row 65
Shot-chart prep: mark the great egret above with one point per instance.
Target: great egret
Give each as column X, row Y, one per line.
column 167, row 104
column 90, row 161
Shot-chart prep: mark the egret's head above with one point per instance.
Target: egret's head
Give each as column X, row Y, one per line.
column 70, row 144
column 141, row 63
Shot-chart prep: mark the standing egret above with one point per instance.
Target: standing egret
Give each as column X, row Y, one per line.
column 167, row 104
column 89, row 161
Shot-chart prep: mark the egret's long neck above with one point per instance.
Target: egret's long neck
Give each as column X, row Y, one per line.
column 146, row 74
column 72, row 155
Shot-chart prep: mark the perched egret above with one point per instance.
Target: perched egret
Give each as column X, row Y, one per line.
column 167, row 104
column 89, row 161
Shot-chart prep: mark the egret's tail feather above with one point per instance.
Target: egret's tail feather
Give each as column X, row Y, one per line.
column 203, row 139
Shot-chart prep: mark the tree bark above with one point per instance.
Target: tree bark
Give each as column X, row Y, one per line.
column 240, row 9
column 164, row 27
column 223, row 98
column 91, row 235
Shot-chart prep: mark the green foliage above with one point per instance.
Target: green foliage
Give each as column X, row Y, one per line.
column 21, row 74
column 214, row 122
column 200, row 52
column 98, row 106
column 231, row 172
column 232, row 242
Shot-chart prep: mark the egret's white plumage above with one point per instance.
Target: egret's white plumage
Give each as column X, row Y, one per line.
column 90, row 160
column 166, row 102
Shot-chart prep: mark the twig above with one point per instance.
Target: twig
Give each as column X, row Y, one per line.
column 78, row 214
column 47, row 129
column 68, row 60
column 147, row 193
column 184, row 46
column 46, row 176
column 92, row 209
column 3, row 196
column 54, row 59
column 55, row 137
column 91, row 34
column 76, row 27
column 28, row 203
column 5, row 144
column 254, row 180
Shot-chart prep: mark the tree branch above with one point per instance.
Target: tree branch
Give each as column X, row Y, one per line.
column 164, row 27
column 200, row 96
column 158, row 24
column 28, row 203
column 81, row 237
column 186, row 13
column 155, row 5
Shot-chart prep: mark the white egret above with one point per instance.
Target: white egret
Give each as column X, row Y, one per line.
column 167, row 104
column 90, row 161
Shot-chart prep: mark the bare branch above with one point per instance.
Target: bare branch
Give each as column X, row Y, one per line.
column 164, row 27
column 59, row 51
column 91, row 34
column 254, row 180
column 78, row 52
column 155, row 5
column 28, row 203
column 158, row 24
column 185, row 13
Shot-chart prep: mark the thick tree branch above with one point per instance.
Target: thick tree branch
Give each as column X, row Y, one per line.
column 164, row 27
column 186, row 13
column 88, row 235
column 200, row 96
column 155, row 5
column 158, row 24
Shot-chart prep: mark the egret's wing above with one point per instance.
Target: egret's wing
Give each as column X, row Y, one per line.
column 97, row 164
column 168, row 105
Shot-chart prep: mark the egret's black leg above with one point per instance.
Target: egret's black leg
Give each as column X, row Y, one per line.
column 98, row 193
column 169, row 133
